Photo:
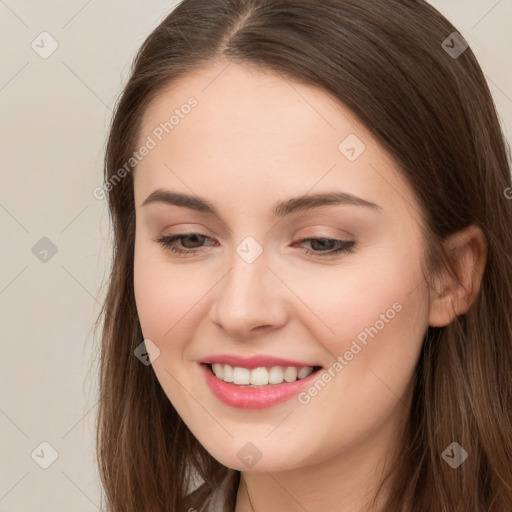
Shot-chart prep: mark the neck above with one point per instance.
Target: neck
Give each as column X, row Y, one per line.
column 347, row 481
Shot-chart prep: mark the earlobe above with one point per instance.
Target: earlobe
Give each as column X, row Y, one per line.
column 454, row 295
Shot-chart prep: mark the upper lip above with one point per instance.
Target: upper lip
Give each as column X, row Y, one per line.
column 257, row 361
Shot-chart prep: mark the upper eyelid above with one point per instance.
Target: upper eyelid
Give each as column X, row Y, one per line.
column 201, row 231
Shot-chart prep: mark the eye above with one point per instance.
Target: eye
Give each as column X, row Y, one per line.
column 196, row 240
column 192, row 242
column 334, row 246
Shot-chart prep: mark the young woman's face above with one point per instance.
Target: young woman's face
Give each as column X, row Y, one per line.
column 245, row 142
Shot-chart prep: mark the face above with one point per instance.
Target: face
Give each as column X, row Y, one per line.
column 256, row 280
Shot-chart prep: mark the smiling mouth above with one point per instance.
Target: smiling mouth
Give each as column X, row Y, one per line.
column 260, row 377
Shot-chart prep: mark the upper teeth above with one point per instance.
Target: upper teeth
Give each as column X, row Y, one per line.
column 259, row 376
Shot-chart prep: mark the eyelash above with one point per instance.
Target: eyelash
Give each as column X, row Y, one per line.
column 344, row 246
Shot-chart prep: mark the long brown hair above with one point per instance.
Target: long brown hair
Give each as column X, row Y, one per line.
column 433, row 112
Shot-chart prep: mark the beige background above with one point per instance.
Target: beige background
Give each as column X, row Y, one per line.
column 55, row 115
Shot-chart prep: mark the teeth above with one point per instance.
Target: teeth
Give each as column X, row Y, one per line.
column 218, row 369
column 259, row 376
column 275, row 375
column 227, row 373
column 304, row 372
column 241, row 375
column 290, row 374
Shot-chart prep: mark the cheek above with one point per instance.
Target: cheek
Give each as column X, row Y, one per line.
column 168, row 304
column 156, row 294
column 372, row 323
column 372, row 311
column 169, row 299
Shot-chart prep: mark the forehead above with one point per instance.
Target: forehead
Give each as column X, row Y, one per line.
column 236, row 96
column 256, row 131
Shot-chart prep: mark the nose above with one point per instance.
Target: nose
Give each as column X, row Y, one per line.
column 249, row 300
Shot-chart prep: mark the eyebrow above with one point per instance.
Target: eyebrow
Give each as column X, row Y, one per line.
column 280, row 209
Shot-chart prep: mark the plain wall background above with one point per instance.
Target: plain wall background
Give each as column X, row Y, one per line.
column 55, row 116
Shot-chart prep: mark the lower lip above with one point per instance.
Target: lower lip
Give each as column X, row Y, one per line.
column 254, row 398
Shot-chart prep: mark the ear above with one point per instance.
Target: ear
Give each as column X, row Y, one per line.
column 467, row 250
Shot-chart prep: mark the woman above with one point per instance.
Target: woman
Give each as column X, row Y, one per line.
column 309, row 306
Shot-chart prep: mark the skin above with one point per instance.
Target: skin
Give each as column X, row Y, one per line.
column 256, row 138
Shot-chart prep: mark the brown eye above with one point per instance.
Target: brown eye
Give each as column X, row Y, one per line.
column 328, row 246
column 189, row 242
column 193, row 240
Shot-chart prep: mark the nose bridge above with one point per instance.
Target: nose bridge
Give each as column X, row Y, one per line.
column 249, row 295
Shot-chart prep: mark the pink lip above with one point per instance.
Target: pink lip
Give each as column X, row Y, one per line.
column 254, row 361
column 254, row 398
